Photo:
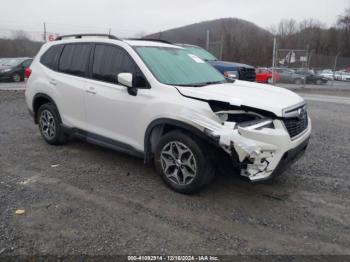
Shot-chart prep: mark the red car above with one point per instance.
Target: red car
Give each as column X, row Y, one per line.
column 264, row 75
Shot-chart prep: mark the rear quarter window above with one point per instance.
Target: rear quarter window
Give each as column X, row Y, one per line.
column 51, row 56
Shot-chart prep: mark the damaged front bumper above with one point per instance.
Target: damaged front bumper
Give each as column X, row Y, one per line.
column 262, row 153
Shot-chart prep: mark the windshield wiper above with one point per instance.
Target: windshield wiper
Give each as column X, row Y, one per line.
column 205, row 83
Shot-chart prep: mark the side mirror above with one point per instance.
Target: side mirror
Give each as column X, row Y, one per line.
column 125, row 79
column 132, row 82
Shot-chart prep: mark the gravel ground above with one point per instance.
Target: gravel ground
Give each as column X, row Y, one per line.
column 83, row 199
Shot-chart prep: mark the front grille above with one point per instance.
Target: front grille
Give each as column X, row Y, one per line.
column 247, row 74
column 295, row 126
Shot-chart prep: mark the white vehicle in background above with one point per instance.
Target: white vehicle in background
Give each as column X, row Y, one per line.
column 342, row 76
column 327, row 73
column 160, row 102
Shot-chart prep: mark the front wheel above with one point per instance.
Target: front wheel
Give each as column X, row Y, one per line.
column 183, row 162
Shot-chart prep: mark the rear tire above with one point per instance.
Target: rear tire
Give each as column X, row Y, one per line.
column 298, row 81
column 50, row 125
column 183, row 162
column 16, row 78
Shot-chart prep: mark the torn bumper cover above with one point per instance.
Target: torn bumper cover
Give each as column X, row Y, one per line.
column 263, row 152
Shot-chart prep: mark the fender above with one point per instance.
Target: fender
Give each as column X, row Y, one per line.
column 173, row 123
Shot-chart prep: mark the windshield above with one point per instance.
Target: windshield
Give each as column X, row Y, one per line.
column 201, row 53
column 177, row 66
column 12, row 62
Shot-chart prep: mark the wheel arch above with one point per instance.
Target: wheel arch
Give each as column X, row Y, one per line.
column 161, row 126
column 39, row 100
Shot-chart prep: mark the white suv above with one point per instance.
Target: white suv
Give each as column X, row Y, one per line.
column 162, row 103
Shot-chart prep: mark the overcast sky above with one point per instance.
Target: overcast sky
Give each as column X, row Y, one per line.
column 130, row 17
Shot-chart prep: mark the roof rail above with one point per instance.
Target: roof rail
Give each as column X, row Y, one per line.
column 77, row 36
column 152, row 40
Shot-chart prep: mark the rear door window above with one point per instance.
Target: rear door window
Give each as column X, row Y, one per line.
column 109, row 61
column 51, row 56
column 74, row 59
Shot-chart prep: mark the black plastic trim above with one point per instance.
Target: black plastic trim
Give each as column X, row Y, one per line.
column 103, row 141
column 175, row 123
column 79, row 36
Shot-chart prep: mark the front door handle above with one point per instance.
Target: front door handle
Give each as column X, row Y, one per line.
column 91, row 90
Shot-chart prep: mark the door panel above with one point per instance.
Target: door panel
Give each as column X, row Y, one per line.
column 113, row 113
column 110, row 110
column 73, row 66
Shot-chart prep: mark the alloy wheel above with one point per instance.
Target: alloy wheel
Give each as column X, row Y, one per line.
column 178, row 163
column 47, row 124
column 16, row 78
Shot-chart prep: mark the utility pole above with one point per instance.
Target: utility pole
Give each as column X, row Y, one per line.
column 207, row 42
column 335, row 66
column 274, row 59
column 221, row 46
column 307, row 63
column 44, row 32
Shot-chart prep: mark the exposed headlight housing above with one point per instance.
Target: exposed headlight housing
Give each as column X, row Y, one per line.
column 231, row 74
column 223, row 116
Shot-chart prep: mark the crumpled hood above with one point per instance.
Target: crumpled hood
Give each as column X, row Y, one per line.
column 242, row 93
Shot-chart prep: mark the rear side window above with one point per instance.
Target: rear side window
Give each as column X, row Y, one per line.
column 51, row 56
column 27, row 63
column 74, row 59
column 109, row 61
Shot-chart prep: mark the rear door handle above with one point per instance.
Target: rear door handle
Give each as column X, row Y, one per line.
column 53, row 82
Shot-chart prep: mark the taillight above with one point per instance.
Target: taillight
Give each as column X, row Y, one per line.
column 27, row 72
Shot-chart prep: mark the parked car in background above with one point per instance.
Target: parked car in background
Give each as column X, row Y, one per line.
column 327, row 73
column 3, row 60
column 288, row 76
column 13, row 69
column 342, row 75
column 264, row 75
column 230, row 70
column 311, row 77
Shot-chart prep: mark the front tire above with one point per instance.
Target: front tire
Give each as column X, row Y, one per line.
column 183, row 162
column 50, row 125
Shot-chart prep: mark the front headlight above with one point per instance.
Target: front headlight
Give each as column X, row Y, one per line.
column 5, row 70
column 231, row 74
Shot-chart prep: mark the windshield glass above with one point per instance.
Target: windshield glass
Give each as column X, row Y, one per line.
column 201, row 53
column 12, row 62
column 177, row 66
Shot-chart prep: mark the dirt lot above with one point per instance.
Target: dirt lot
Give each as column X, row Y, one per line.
column 83, row 199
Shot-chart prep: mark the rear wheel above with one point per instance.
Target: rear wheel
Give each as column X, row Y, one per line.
column 183, row 162
column 319, row 82
column 269, row 81
column 298, row 81
column 50, row 124
column 16, row 78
